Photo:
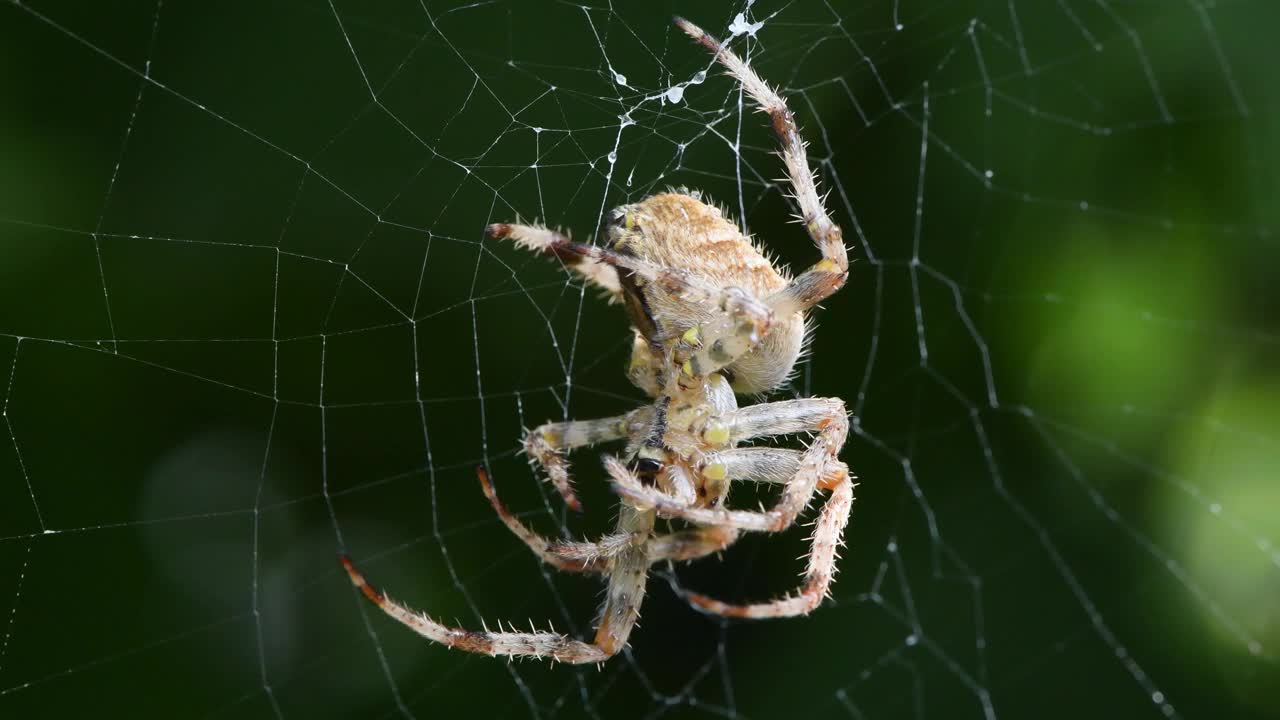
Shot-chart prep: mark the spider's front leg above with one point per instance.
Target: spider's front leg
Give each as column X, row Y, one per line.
column 627, row 575
column 509, row 643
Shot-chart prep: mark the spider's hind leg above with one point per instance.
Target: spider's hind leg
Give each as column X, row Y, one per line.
column 829, row 274
column 545, row 241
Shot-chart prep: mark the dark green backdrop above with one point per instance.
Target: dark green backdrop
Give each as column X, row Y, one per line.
column 248, row 321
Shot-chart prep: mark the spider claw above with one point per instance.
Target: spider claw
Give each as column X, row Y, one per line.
column 497, row 231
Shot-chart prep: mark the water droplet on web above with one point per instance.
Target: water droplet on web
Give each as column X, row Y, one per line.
column 675, row 94
column 740, row 26
column 620, row 78
column 613, row 156
column 699, row 77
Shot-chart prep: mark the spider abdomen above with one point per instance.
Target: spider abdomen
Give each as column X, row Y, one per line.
column 680, row 230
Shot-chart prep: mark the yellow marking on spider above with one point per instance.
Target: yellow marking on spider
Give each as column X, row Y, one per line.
column 715, row 471
column 716, row 433
column 692, row 337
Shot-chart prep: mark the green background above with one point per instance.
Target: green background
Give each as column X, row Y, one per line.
column 248, row 321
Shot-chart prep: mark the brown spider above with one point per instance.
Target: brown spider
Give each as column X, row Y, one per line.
column 712, row 317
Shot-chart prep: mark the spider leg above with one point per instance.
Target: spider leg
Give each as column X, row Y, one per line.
column 818, row 576
column 680, row 546
column 594, row 557
column 785, row 417
column 627, row 575
column 548, row 550
column 828, row 274
column 545, row 241
column 678, row 285
column 831, row 425
column 617, row 617
column 736, row 329
column 512, row 644
column 544, row 444
column 772, row 465
column 691, row 544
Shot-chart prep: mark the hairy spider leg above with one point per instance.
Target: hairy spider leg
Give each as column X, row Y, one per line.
column 678, row 285
column 540, row 545
column 821, row 570
column 770, row 465
column 545, row 241
column 617, row 617
column 595, row 556
column 741, row 321
column 545, row 443
column 828, row 420
column 509, row 643
column 829, row 274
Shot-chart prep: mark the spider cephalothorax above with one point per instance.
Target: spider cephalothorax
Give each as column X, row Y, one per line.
column 712, row 317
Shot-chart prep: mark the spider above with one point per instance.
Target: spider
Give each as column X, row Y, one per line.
column 712, row 318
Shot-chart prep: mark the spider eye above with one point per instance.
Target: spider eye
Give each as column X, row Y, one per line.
column 646, row 469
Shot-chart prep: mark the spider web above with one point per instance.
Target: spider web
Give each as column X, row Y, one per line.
column 248, row 321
